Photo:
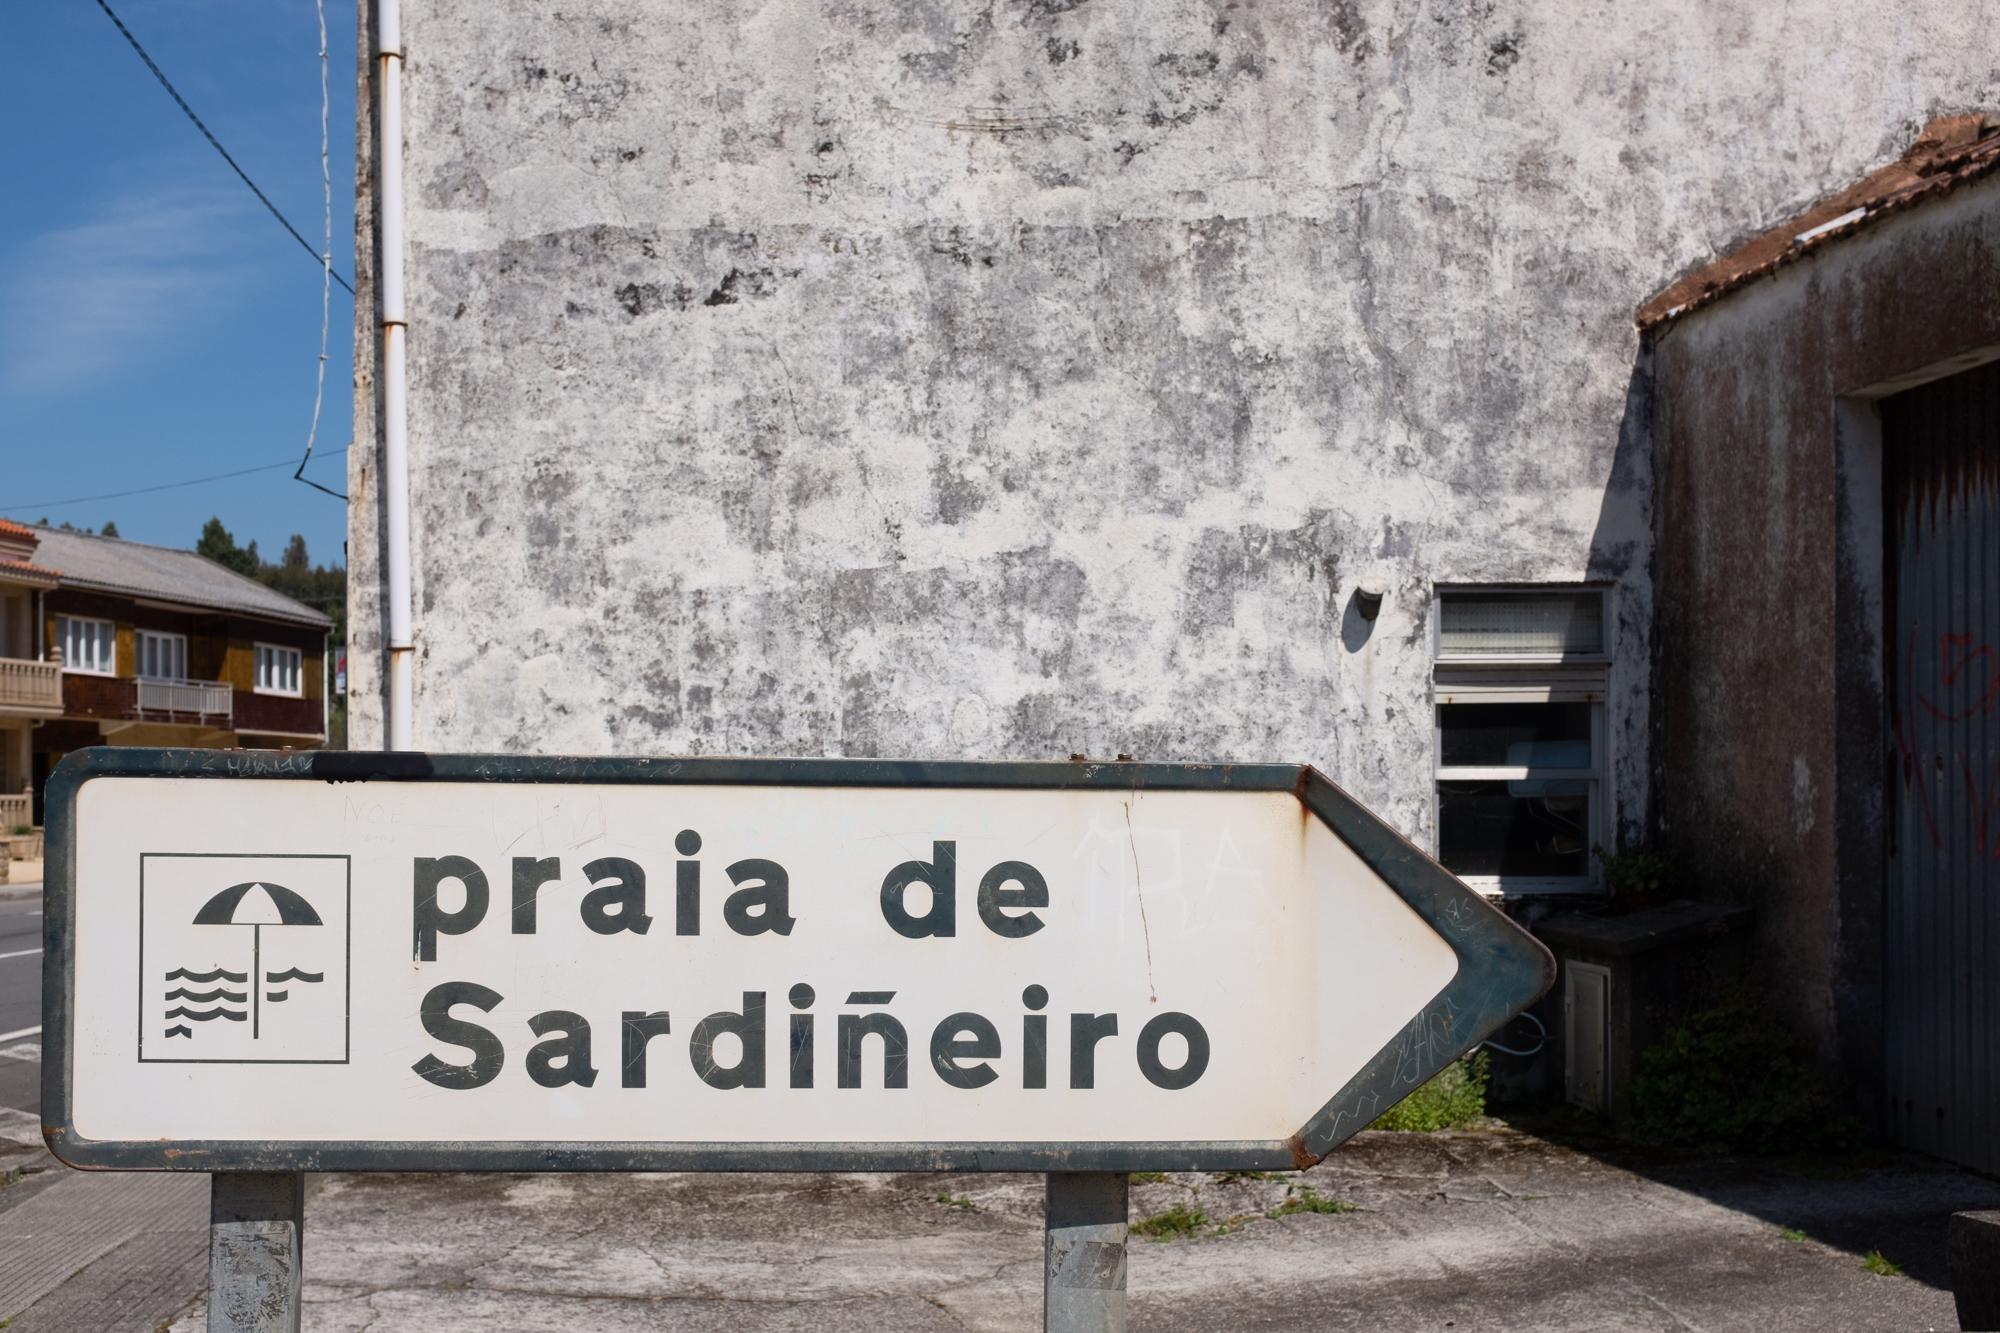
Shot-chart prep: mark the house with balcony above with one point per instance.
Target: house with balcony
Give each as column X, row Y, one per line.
column 30, row 684
column 129, row 644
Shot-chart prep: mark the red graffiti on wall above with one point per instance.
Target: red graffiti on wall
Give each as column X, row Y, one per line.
column 1961, row 657
column 1957, row 655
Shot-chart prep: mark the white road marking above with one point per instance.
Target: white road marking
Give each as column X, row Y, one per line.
column 30, row 1051
column 18, row 953
column 23, row 1032
column 19, row 1126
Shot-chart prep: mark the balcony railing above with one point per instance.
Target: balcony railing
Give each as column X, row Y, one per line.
column 16, row 811
column 30, row 685
column 194, row 699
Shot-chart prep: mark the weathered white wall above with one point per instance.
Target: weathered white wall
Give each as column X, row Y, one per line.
column 1020, row 379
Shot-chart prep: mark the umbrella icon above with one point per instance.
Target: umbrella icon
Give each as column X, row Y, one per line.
column 257, row 904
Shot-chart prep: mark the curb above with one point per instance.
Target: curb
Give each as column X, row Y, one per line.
column 1971, row 1247
column 14, row 893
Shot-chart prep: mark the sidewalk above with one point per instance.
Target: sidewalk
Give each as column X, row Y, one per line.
column 89, row 1250
column 1469, row 1230
column 24, row 880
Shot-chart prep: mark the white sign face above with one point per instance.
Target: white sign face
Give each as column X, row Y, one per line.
column 457, row 962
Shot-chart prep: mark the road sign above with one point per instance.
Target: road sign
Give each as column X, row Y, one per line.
column 328, row 961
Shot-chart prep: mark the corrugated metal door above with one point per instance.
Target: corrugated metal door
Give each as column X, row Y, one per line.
column 1941, row 493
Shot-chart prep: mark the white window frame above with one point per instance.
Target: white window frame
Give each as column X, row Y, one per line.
column 176, row 644
column 1526, row 679
column 278, row 653
column 108, row 637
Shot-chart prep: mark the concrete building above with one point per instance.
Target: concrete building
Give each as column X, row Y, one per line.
column 1827, row 697
column 1190, row 380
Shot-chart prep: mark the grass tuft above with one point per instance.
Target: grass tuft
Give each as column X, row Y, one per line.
column 960, row 1201
column 1456, row 1096
column 1879, row 1266
column 1177, row 1223
column 1149, row 1177
column 1792, row 1233
column 1306, row 1199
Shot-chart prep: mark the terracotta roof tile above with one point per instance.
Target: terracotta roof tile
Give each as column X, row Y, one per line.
column 9, row 528
column 22, row 569
column 1948, row 153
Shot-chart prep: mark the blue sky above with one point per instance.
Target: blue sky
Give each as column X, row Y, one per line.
column 156, row 324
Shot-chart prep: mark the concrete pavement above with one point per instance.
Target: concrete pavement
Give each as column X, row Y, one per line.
column 1470, row 1230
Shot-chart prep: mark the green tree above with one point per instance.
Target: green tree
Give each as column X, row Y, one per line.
column 218, row 545
column 110, row 529
column 322, row 587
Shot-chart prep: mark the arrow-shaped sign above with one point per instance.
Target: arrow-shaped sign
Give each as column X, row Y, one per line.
column 687, row 964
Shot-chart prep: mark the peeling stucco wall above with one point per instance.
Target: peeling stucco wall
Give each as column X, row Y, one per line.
column 1014, row 380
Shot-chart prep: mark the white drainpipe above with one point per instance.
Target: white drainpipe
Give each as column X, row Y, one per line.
column 395, row 334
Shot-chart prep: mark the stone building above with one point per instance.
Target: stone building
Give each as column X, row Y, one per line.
column 1189, row 380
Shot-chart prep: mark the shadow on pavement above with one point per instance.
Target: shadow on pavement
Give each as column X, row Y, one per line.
column 1864, row 1201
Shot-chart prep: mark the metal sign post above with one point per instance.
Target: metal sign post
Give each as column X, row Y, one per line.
column 471, row 963
column 1084, row 1220
column 256, row 1229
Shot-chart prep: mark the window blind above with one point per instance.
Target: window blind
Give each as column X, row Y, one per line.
column 1566, row 624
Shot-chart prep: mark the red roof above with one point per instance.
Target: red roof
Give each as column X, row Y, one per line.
column 1949, row 152
column 22, row 569
column 9, row 528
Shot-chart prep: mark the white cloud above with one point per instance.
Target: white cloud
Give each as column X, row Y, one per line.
column 84, row 302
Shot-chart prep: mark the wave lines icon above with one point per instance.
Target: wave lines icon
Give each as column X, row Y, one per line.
column 229, row 1005
column 232, row 1006
column 293, row 974
column 202, row 978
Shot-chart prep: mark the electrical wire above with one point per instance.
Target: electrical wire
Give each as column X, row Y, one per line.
column 326, row 264
column 1541, row 1039
column 35, row 505
column 216, row 143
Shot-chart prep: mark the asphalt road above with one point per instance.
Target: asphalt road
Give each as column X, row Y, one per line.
column 20, row 1006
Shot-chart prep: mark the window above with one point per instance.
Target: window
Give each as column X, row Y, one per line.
column 1519, row 683
column 162, row 656
column 278, row 669
column 88, row 646
column 1512, row 626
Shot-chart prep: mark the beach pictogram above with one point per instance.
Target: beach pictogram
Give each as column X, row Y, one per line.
column 245, row 958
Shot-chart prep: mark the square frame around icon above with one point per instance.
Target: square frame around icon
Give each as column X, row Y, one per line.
column 346, row 957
